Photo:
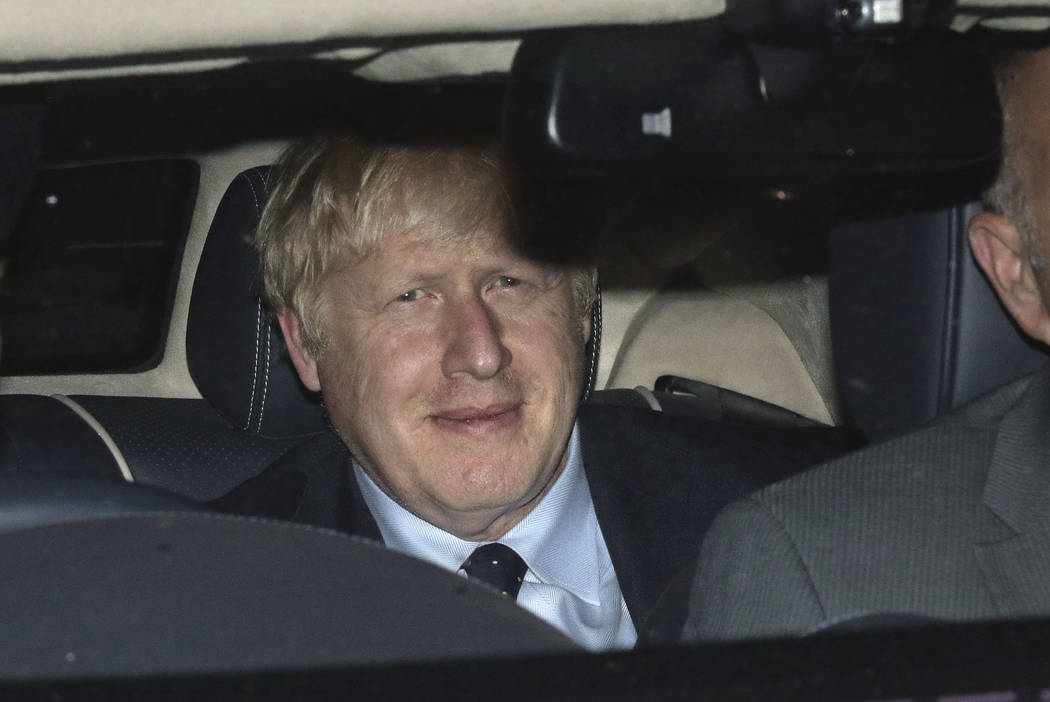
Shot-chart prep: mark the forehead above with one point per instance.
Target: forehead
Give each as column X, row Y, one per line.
column 429, row 251
column 429, row 194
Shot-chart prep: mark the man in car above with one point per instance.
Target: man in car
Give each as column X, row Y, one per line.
column 951, row 522
column 452, row 366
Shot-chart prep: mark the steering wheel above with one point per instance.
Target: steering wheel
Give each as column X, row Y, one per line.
column 139, row 586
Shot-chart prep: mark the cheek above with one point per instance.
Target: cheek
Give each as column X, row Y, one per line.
column 340, row 380
column 554, row 343
column 376, row 374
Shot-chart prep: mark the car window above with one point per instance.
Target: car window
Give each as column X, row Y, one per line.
column 92, row 267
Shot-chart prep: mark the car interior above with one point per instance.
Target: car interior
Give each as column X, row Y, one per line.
column 815, row 285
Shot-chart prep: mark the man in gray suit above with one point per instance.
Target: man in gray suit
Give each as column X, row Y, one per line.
column 951, row 522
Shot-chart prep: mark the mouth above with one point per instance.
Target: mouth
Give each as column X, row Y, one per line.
column 478, row 421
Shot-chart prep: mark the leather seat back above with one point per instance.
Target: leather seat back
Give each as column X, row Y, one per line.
column 233, row 348
column 253, row 407
column 917, row 330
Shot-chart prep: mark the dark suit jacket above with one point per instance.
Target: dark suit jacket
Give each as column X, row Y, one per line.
column 656, row 482
column 951, row 522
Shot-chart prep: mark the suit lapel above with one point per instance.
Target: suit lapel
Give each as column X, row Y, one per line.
column 314, row 484
column 624, row 549
column 1017, row 574
column 354, row 515
column 652, row 509
column 622, row 513
column 1013, row 531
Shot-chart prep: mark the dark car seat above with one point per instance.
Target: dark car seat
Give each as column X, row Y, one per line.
column 253, row 407
column 916, row 328
column 233, row 350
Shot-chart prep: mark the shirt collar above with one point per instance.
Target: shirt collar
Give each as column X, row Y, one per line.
column 559, row 539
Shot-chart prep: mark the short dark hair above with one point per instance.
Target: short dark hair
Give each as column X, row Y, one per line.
column 1007, row 195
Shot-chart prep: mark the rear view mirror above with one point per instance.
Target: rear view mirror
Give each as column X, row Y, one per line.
column 696, row 100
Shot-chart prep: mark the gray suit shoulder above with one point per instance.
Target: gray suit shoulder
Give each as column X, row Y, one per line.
column 752, row 580
column 887, row 529
column 990, row 407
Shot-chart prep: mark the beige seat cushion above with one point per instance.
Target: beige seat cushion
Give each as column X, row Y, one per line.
column 720, row 339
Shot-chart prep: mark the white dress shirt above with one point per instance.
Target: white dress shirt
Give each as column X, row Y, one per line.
column 570, row 581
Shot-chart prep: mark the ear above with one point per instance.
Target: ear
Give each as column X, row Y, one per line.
column 999, row 250
column 304, row 362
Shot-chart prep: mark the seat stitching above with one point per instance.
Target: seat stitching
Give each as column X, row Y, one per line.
column 247, row 175
column 266, row 382
column 255, row 371
column 255, row 197
column 597, row 332
column 596, row 338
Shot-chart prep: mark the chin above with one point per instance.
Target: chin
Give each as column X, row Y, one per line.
column 488, row 488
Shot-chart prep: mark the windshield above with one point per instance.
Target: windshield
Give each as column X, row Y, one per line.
column 746, row 386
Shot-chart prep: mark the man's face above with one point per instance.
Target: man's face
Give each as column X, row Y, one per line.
column 452, row 370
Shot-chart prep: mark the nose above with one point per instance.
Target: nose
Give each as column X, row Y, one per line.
column 474, row 344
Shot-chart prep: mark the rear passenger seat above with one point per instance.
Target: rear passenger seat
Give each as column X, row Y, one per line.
column 728, row 341
column 42, row 435
column 254, row 409
column 769, row 340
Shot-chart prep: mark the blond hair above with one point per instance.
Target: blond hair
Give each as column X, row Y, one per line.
column 331, row 199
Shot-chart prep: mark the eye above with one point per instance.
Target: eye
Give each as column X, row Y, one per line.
column 505, row 281
column 409, row 296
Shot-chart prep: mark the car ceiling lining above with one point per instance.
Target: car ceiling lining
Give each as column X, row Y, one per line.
column 46, row 40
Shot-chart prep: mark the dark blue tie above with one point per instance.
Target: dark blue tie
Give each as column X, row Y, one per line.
column 498, row 566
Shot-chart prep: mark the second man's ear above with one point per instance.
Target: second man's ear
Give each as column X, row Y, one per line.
column 1000, row 252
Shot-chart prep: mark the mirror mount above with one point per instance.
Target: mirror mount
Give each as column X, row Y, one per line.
column 805, row 22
